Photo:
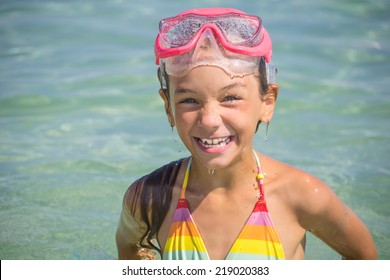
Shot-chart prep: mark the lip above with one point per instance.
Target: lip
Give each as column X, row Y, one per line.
column 223, row 143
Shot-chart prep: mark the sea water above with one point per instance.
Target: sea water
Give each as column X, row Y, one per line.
column 80, row 115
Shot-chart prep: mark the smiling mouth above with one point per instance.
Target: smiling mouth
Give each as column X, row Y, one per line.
column 214, row 142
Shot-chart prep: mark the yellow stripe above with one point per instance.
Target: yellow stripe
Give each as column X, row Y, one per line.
column 185, row 182
column 262, row 247
column 184, row 243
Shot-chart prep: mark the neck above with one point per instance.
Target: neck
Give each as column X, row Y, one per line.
column 232, row 177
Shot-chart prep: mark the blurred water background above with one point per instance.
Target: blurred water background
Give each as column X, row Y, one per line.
column 80, row 117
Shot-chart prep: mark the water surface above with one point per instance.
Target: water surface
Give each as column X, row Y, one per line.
column 80, row 117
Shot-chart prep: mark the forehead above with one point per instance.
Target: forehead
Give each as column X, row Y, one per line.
column 212, row 78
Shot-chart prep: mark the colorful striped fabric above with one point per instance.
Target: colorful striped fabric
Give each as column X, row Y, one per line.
column 258, row 238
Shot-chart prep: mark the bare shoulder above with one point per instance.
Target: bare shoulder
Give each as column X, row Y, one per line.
column 299, row 189
column 318, row 209
column 307, row 197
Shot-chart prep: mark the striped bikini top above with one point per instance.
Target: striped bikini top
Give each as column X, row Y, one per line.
column 258, row 238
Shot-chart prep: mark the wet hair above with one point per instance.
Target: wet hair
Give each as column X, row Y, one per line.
column 263, row 76
column 263, row 83
column 152, row 198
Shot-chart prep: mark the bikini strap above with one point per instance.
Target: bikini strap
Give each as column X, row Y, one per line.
column 185, row 182
column 259, row 177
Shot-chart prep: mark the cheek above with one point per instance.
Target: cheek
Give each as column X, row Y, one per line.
column 251, row 114
column 184, row 120
column 251, row 111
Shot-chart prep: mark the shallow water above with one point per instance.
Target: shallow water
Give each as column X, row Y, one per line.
column 80, row 117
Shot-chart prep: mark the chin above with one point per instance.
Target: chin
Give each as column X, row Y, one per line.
column 217, row 156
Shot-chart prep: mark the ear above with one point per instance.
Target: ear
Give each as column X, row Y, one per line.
column 269, row 101
column 168, row 109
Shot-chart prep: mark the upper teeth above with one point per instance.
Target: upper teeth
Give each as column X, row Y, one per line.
column 215, row 141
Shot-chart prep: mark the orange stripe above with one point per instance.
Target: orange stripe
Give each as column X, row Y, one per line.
column 259, row 232
column 183, row 229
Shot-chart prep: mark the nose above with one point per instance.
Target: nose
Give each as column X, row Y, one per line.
column 209, row 117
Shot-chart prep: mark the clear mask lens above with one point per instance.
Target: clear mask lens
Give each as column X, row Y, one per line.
column 236, row 29
column 208, row 51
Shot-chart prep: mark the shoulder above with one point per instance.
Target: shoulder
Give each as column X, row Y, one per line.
column 142, row 190
column 304, row 193
column 317, row 208
column 144, row 198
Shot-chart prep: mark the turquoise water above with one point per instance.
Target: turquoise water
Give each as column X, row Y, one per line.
column 80, row 117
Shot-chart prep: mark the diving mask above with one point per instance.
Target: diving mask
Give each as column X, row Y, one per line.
column 222, row 37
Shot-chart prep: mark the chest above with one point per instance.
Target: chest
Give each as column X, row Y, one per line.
column 218, row 223
column 220, row 227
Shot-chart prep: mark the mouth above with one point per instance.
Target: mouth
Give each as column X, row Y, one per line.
column 214, row 143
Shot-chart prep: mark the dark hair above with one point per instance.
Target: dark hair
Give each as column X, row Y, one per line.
column 263, row 76
column 152, row 197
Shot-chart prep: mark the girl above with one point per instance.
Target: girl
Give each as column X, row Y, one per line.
column 218, row 85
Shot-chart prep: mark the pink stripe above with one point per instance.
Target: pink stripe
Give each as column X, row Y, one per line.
column 259, row 218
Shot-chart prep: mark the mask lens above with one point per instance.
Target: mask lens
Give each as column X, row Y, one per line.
column 240, row 30
column 237, row 29
column 179, row 32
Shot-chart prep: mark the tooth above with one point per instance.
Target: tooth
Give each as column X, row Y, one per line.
column 216, row 141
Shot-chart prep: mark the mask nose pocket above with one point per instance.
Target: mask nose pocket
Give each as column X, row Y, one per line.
column 207, row 47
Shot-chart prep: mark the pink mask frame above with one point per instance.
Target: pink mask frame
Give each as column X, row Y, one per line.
column 257, row 45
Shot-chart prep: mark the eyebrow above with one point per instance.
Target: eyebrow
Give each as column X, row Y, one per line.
column 232, row 86
column 180, row 90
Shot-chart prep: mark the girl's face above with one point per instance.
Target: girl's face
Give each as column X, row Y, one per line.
column 216, row 116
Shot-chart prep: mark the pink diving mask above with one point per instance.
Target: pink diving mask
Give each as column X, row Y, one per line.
column 223, row 37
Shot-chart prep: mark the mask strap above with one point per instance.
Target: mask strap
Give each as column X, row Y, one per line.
column 163, row 78
column 267, row 73
column 271, row 73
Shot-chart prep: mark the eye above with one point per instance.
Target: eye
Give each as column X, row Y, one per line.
column 188, row 101
column 231, row 98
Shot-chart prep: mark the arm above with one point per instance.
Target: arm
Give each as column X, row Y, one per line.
column 327, row 217
column 129, row 231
